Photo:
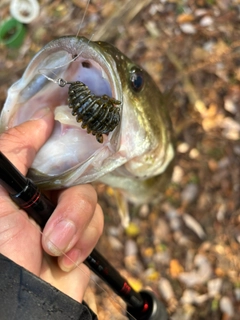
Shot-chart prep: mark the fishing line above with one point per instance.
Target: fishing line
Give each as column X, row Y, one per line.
column 78, row 55
column 47, row 77
column 75, row 57
column 84, row 14
column 111, row 297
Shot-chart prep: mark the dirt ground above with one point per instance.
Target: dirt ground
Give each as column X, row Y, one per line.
column 186, row 248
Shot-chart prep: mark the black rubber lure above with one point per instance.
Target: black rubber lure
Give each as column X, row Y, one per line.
column 98, row 114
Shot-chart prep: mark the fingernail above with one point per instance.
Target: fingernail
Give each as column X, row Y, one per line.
column 41, row 113
column 71, row 260
column 59, row 239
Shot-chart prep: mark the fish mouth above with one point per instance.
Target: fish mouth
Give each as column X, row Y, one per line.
column 72, row 59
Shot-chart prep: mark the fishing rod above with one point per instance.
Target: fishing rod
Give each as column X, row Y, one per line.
column 142, row 305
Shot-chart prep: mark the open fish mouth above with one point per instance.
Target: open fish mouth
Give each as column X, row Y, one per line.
column 69, row 146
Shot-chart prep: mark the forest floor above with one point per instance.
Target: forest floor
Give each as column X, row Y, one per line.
column 187, row 247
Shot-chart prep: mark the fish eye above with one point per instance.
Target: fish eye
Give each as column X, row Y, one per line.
column 136, row 79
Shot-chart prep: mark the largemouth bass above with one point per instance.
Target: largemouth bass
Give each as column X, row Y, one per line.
column 133, row 158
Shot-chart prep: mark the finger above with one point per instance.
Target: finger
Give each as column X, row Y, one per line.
column 74, row 213
column 21, row 143
column 19, row 239
column 85, row 244
column 78, row 278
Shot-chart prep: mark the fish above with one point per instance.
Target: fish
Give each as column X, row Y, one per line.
column 135, row 159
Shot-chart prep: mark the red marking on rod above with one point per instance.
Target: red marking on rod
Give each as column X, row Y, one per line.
column 126, row 288
column 145, row 307
column 31, row 201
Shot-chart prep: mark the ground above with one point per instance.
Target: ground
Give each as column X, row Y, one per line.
column 186, row 248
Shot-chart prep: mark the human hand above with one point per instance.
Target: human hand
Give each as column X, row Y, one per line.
column 74, row 227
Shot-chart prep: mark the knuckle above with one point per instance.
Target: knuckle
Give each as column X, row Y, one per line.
column 10, row 228
column 13, row 136
column 86, row 204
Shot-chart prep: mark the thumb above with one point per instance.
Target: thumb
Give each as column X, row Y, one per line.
column 21, row 143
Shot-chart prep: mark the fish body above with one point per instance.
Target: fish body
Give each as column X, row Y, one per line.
column 134, row 158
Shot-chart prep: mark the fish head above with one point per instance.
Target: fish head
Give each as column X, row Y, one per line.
column 138, row 149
